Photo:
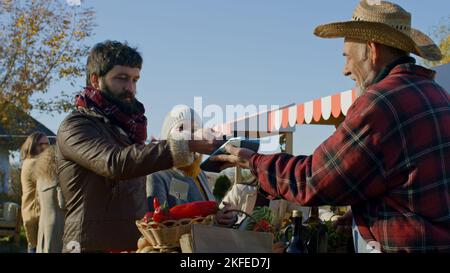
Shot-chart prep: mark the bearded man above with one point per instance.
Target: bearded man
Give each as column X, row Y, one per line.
column 102, row 158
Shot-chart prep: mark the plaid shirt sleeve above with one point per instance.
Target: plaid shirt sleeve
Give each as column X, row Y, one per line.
column 344, row 170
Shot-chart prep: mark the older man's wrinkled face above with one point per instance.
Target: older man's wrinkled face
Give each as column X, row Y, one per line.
column 358, row 64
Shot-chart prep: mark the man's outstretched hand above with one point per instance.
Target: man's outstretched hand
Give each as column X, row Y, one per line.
column 239, row 157
column 205, row 147
column 205, row 141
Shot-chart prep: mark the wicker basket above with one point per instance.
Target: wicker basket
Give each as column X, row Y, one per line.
column 166, row 235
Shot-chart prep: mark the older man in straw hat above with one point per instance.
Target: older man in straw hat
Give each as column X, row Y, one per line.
column 390, row 158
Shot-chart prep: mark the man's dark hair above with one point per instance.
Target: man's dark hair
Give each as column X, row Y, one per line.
column 104, row 56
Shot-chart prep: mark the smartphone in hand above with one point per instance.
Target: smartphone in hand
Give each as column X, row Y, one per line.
column 240, row 142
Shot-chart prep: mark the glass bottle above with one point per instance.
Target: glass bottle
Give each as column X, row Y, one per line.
column 297, row 244
column 318, row 236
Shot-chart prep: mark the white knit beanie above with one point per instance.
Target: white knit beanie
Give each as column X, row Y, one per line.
column 181, row 115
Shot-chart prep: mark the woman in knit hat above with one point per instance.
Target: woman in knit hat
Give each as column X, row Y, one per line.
column 181, row 185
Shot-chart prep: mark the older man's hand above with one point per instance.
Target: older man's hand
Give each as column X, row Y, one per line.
column 237, row 157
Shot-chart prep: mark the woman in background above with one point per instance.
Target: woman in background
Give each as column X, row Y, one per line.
column 51, row 201
column 35, row 144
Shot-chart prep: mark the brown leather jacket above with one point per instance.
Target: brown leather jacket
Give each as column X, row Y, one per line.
column 102, row 176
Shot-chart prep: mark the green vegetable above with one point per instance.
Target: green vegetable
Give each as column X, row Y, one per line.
column 261, row 219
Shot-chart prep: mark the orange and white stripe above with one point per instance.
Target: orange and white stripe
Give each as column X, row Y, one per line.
column 312, row 112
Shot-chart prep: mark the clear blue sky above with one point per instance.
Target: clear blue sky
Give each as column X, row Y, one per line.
column 234, row 52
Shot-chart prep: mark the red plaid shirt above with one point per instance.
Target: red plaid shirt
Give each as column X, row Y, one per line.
column 389, row 160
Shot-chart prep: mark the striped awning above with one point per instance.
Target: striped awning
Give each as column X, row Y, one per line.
column 326, row 110
column 330, row 110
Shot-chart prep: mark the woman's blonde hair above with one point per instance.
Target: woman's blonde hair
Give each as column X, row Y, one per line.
column 29, row 147
column 46, row 164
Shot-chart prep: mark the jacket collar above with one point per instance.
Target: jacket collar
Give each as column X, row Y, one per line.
column 410, row 68
column 404, row 65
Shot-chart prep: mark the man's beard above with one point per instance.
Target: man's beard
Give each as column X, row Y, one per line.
column 360, row 89
column 129, row 108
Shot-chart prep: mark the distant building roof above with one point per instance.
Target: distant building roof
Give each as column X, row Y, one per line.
column 12, row 136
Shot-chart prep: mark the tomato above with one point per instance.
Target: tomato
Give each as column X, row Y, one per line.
column 148, row 217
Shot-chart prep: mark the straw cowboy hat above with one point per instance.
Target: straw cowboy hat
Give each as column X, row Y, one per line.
column 384, row 23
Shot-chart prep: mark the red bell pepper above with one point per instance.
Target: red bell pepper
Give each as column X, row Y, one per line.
column 161, row 213
column 193, row 209
column 155, row 203
column 188, row 210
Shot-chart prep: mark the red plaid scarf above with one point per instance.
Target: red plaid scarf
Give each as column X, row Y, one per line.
column 134, row 125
